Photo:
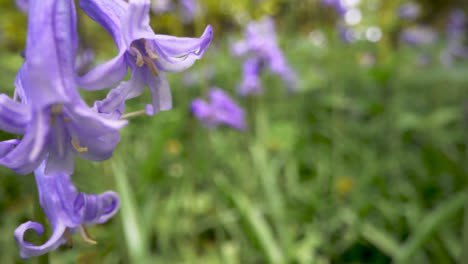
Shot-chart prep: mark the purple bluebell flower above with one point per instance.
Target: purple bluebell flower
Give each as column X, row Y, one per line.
column 251, row 82
column 188, row 10
column 419, row 35
column 456, row 27
column 67, row 210
column 261, row 45
column 50, row 113
column 455, row 30
column 149, row 56
column 337, row 5
column 409, row 11
column 161, row 6
column 220, row 110
column 22, row 5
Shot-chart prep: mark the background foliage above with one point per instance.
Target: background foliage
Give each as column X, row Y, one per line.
column 367, row 163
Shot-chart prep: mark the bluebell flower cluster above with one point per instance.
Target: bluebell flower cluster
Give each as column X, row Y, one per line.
column 455, row 32
column 220, row 110
column 56, row 125
column 260, row 44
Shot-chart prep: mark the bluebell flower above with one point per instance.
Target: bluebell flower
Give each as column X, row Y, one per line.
column 337, row 5
column 220, row 110
column 161, row 6
column 419, row 36
column 22, row 5
column 189, row 9
column 260, row 44
column 148, row 55
column 68, row 212
column 47, row 108
column 455, row 31
column 409, row 11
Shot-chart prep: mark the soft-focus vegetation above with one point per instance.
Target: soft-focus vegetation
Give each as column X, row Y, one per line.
column 367, row 163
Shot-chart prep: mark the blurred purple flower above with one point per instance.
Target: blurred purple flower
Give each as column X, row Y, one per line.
column 149, row 56
column 337, row 5
column 67, row 210
column 419, row 35
column 456, row 27
column 409, row 11
column 260, row 44
column 456, row 30
column 161, row 6
column 347, row 34
column 251, row 82
column 220, row 110
column 22, row 5
column 50, row 113
column 188, row 10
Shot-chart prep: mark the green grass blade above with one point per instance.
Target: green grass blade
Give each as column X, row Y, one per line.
column 136, row 243
column 256, row 222
column 429, row 224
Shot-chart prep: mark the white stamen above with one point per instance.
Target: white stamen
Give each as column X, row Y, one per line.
column 133, row 114
column 84, row 234
column 149, row 51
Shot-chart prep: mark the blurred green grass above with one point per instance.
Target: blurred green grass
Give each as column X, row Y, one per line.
column 366, row 164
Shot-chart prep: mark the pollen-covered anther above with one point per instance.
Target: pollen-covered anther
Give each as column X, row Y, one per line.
column 67, row 120
column 151, row 66
column 150, row 51
column 139, row 56
column 77, row 146
column 84, row 234
column 57, row 109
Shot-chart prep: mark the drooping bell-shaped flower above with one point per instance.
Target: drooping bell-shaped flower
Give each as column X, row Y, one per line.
column 47, row 108
column 148, row 55
column 260, row 44
column 220, row 110
column 68, row 212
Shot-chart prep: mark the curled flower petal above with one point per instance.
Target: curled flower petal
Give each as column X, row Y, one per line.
column 97, row 209
column 14, row 116
column 179, row 54
column 7, row 146
column 66, row 210
column 28, row 250
column 30, row 152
